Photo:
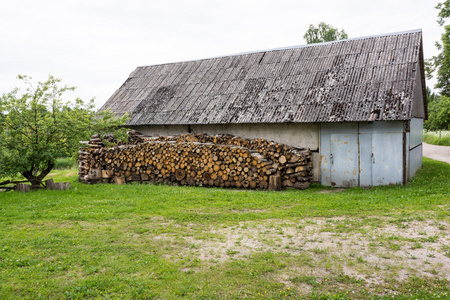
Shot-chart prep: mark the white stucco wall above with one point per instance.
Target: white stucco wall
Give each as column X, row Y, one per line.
column 297, row 135
column 162, row 130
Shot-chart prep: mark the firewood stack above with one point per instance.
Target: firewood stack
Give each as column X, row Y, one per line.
column 86, row 152
column 222, row 160
column 109, row 139
column 135, row 137
column 294, row 164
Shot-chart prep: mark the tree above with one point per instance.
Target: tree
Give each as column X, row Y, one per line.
column 444, row 11
column 442, row 64
column 323, row 33
column 438, row 114
column 37, row 126
column 431, row 96
column 439, row 107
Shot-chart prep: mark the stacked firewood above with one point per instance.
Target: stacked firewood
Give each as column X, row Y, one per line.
column 294, row 164
column 85, row 154
column 134, row 137
column 223, row 161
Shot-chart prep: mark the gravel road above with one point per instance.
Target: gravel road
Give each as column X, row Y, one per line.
column 441, row 153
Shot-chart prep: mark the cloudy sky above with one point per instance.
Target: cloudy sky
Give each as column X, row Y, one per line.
column 96, row 44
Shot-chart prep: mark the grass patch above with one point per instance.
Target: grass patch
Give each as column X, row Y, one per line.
column 441, row 138
column 144, row 241
column 64, row 163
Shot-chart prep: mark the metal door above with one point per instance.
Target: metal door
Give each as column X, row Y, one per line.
column 366, row 159
column 343, row 160
column 339, row 154
column 381, row 161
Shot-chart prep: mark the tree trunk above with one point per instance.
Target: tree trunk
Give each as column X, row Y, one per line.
column 36, row 181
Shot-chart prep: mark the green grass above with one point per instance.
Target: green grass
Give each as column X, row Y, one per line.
column 142, row 241
column 441, row 138
column 64, row 163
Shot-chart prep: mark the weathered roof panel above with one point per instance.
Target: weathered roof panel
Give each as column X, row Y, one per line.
column 348, row 80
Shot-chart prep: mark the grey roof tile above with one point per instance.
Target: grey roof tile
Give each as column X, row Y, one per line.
column 330, row 82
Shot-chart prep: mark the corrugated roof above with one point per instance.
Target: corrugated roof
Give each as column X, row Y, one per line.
column 364, row 79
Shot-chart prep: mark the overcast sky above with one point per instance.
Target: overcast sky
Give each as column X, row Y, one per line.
column 96, row 44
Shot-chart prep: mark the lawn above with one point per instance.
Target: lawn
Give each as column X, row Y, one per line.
column 144, row 241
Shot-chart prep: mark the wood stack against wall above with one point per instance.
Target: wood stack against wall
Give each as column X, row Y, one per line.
column 198, row 159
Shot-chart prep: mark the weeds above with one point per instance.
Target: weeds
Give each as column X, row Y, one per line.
column 441, row 138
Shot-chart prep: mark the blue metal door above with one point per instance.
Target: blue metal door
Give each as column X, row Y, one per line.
column 387, row 158
column 339, row 154
column 366, row 159
column 344, row 160
column 381, row 154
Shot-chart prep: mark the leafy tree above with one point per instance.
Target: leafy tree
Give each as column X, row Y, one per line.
column 442, row 64
column 438, row 114
column 438, row 107
column 37, row 126
column 431, row 96
column 444, row 11
column 323, row 33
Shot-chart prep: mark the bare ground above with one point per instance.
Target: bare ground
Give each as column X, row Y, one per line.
column 373, row 253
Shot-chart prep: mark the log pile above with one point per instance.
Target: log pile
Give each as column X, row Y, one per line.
column 9, row 185
column 134, row 137
column 294, row 164
column 86, row 153
column 24, row 186
column 194, row 159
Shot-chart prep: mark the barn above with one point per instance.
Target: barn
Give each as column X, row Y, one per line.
column 358, row 104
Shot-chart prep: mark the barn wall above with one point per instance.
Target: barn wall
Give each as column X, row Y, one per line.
column 415, row 146
column 415, row 160
column 418, row 102
column 162, row 130
column 416, row 132
column 354, row 165
column 362, row 154
column 297, row 135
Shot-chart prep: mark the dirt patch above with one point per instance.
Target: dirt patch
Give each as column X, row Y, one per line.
column 337, row 190
column 388, row 249
column 65, row 175
column 70, row 174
